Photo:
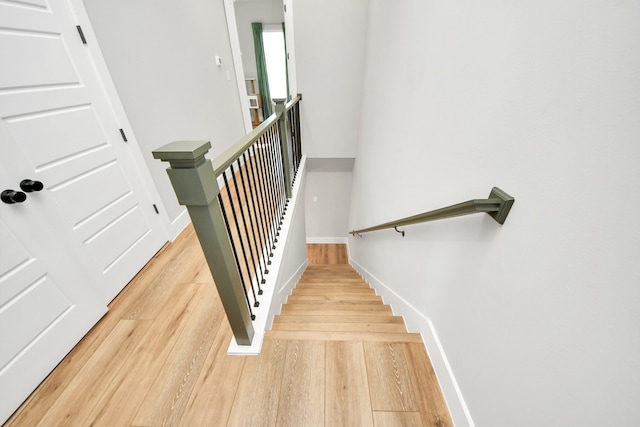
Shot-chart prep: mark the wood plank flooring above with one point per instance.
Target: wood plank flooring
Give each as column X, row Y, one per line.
column 336, row 357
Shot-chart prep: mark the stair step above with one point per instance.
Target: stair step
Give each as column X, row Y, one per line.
column 335, row 291
column 338, row 319
column 352, row 309
column 322, row 268
column 343, row 336
column 332, row 272
column 333, row 285
column 368, row 298
column 332, row 280
column 336, row 303
column 340, row 327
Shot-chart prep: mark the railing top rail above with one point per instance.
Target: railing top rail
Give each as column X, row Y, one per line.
column 497, row 206
column 291, row 103
column 226, row 158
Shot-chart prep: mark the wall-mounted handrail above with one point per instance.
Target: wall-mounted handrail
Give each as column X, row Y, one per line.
column 497, row 206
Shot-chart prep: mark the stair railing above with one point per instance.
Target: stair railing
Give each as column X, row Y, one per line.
column 497, row 206
column 237, row 203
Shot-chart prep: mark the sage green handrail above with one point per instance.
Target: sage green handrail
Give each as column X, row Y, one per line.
column 291, row 103
column 227, row 157
column 231, row 154
column 497, row 206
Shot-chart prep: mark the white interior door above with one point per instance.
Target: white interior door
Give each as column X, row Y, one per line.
column 55, row 114
column 68, row 249
column 45, row 305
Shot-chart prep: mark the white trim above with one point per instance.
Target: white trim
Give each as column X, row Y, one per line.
column 236, row 53
column 271, row 300
column 418, row 322
column 328, row 240
column 272, row 28
column 291, row 50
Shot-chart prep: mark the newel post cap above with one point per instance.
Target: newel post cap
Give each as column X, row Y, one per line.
column 182, row 154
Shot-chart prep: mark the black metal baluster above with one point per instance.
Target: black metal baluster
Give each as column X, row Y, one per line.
column 235, row 219
column 272, row 187
column 294, row 132
column 266, row 201
column 259, row 208
column 279, row 174
column 235, row 252
column 257, row 262
column 249, row 261
column 291, row 144
column 298, row 141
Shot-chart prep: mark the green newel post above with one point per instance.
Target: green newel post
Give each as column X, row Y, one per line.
column 195, row 185
column 284, row 146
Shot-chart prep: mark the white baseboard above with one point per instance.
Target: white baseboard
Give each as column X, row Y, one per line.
column 327, row 240
column 418, row 322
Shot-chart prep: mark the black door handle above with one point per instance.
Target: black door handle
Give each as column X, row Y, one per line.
column 12, row 196
column 28, row 185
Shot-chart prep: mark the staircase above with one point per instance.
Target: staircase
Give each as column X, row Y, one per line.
column 352, row 360
column 333, row 303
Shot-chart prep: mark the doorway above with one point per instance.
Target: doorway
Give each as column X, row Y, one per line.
column 275, row 57
column 240, row 15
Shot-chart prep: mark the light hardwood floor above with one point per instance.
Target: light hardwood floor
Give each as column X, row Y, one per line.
column 327, row 254
column 336, row 357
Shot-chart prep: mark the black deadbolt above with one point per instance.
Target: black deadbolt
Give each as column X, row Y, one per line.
column 29, row 185
column 12, row 196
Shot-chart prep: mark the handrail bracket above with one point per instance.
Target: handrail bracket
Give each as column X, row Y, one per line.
column 506, row 201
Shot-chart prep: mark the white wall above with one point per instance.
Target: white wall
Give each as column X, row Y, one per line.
column 327, row 198
column 539, row 318
column 329, row 43
column 248, row 11
column 161, row 56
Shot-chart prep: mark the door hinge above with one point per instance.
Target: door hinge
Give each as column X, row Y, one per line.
column 155, row 208
column 124, row 137
column 285, row 8
column 84, row 41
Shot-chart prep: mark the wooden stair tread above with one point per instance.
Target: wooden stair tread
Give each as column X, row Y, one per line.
column 337, row 303
column 335, row 291
column 343, row 336
column 321, row 267
column 315, row 285
column 295, row 298
column 340, row 327
column 314, row 309
column 332, row 281
column 338, row 319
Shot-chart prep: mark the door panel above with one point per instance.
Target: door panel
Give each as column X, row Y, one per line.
column 47, row 47
column 70, row 131
column 67, row 250
column 45, row 309
column 56, row 115
column 43, row 293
